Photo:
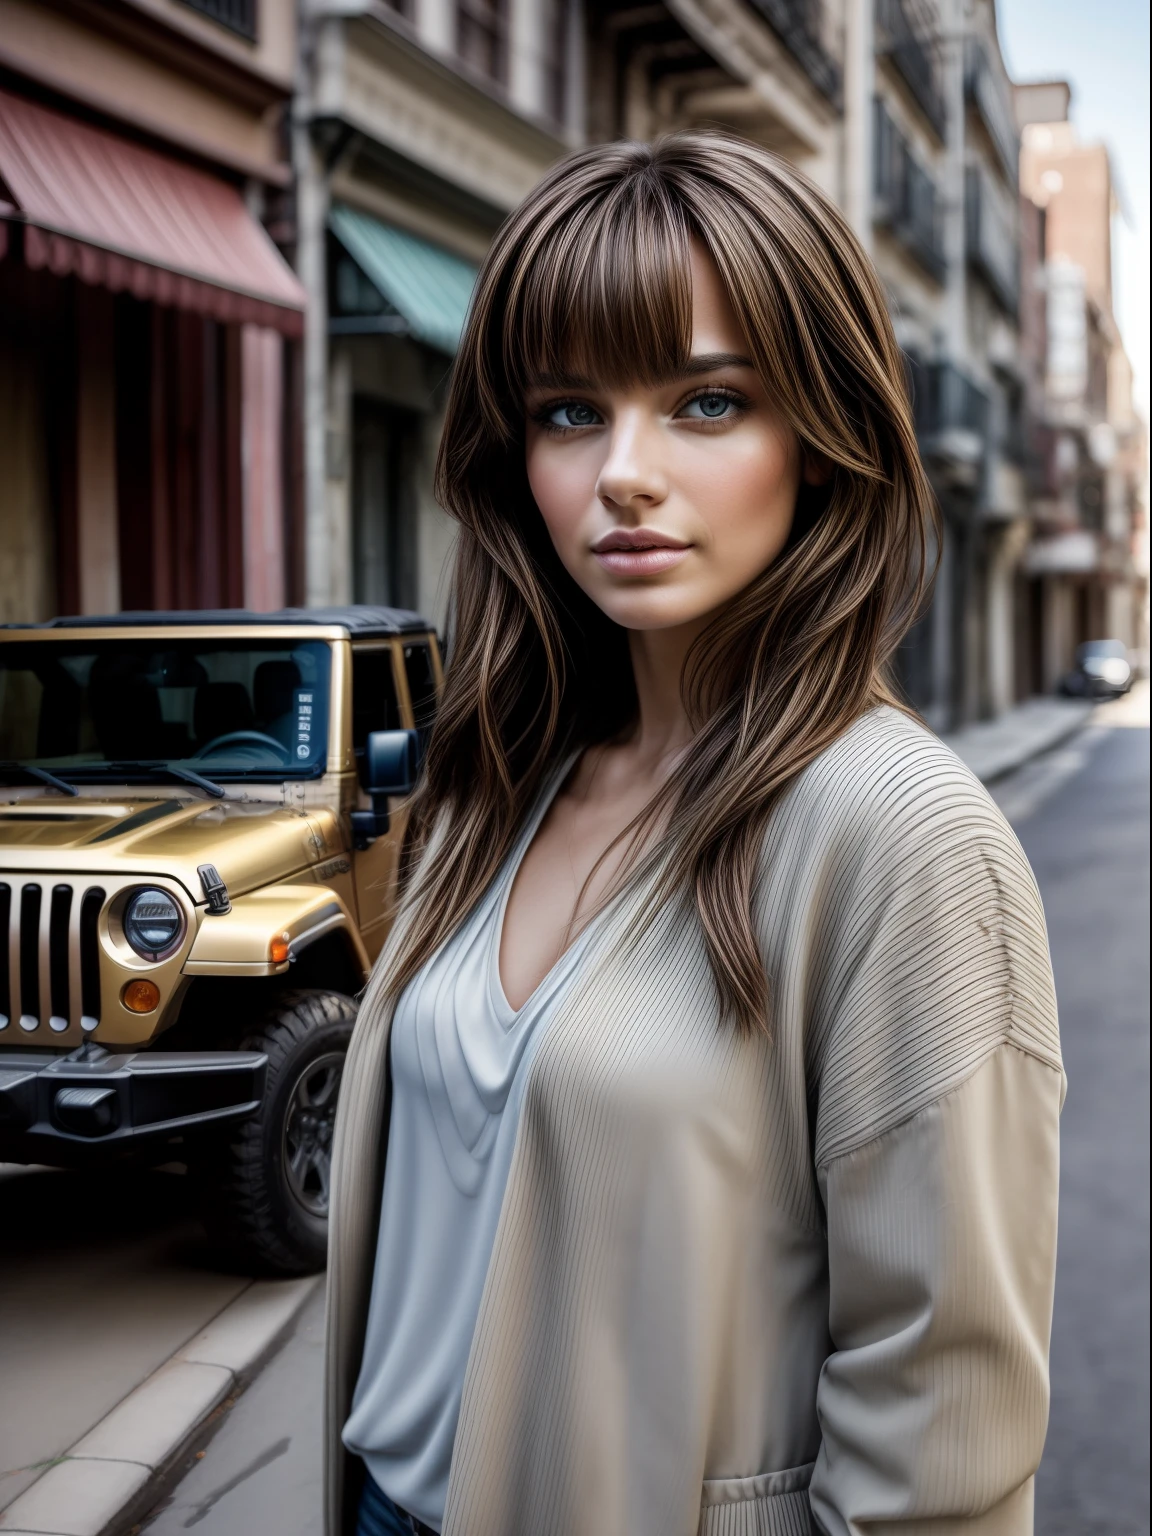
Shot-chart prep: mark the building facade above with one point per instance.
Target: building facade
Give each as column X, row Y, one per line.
column 902, row 111
column 771, row 70
column 147, row 319
column 943, row 228
column 417, row 129
column 191, row 420
column 1085, row 572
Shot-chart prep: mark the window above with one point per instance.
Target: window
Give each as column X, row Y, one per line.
column 227, row 709
column 800, row 24
column 556, row 54
column 237, row 15
column 907, row 202
column 907, row 35
column 992, row 236
column 374, row 703
column 351, row 292
column 385, row 450
column 482, row 36
column 421, row 684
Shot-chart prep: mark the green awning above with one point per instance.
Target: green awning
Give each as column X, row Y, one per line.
column 427, row 285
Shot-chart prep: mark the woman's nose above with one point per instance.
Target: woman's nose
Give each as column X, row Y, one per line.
column 633, row 473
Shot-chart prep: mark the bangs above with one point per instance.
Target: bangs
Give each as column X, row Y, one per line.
column 602, row 293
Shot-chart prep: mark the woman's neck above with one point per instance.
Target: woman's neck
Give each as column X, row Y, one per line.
column 662, row 727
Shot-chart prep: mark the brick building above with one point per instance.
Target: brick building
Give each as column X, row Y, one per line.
column 1085, row 572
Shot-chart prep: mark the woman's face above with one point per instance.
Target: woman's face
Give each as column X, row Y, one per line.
column 664, row 502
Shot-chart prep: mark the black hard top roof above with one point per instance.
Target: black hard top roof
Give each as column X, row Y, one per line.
column 360, row 619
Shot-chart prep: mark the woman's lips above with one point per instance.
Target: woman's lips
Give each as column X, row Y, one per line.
column 638, row 551
column 641, row 562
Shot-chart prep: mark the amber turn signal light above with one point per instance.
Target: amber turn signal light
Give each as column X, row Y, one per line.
column 140, row 996
column 279, row 949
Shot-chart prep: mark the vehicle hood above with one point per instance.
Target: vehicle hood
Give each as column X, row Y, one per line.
column 250, row 844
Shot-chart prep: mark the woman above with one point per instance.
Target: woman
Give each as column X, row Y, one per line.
column 696, row 1167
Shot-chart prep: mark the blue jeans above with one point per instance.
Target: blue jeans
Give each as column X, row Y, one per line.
column 378, row 1516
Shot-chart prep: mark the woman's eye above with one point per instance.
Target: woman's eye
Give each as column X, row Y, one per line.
column 710, row 407
column 573, row 413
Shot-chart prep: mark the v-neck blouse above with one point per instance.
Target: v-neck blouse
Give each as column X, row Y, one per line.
column 459, row 1056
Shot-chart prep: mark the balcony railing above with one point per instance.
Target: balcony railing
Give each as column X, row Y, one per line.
column 988, row 93
column 799, row 24
column 950, row 411
column 907, row 201
column 911, row 54
column 237, row 15
column 991, row 239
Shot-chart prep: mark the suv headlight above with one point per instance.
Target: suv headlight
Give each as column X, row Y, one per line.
column 153, row 923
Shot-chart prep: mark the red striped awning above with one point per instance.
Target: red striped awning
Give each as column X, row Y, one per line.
column 125, row 217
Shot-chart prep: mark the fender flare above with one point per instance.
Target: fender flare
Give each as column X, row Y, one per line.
column 239, row 942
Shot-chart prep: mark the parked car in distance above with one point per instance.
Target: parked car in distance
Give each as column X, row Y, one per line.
column 200, row 816
column 1102, row 671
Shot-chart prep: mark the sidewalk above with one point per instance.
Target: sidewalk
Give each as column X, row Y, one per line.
column 993, row 748
column 112, row 1473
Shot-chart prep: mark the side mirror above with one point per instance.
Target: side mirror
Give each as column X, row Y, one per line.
column 389, row 769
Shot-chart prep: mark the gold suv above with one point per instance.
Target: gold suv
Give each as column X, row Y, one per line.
column 198, row 837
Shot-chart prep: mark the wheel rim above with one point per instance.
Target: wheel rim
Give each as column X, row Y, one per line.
column 308, row 1129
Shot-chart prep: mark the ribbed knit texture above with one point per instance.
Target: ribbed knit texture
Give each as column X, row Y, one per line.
column 781, row 1514
column 721, row 1260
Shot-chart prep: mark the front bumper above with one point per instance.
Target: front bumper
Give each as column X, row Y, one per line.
column 59, row 1109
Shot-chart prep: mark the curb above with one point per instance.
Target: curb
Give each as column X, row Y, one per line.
column 992, row 750
column 112, row 1475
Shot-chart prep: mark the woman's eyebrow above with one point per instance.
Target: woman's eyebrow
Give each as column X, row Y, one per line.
column 701, row 362
column 708, row 362
column 559, row 380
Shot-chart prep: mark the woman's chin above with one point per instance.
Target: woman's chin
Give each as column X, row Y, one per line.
column 654, row 610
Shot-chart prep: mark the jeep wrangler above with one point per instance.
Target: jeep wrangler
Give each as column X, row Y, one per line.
column 200, row 817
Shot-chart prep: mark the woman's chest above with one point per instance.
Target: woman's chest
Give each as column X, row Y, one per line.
column 641, row 1079
column 571, row 864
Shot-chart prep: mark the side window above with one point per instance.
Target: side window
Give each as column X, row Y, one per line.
column 421, row 683
column 374, row 704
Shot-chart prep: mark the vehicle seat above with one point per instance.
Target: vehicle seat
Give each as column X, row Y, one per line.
column 126, row 716
column 274, row 690
column 220, row 709
column 61, row 707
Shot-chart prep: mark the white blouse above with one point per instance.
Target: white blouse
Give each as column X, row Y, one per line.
column 459, row 1055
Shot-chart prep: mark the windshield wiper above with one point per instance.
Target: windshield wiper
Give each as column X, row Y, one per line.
column 10, row 769
column 185, row 775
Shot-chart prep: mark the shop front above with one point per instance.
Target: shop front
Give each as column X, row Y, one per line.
column 148, row 359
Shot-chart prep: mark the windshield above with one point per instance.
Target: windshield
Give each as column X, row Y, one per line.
column 225, row 709
column 1103, row 650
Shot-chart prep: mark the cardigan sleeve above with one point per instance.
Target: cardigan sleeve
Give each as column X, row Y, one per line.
column 938, row 1092
column 941, row 1251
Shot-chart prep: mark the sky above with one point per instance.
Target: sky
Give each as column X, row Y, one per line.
column 1102, row 50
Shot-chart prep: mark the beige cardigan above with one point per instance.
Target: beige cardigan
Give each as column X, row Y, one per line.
column 752, row 1288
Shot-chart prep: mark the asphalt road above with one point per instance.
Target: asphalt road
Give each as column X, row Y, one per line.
column 1082, row 814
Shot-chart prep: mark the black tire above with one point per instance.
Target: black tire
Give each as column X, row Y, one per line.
column 264, row 1188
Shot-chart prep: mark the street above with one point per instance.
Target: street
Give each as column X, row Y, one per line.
column 1083, row 820
column 1082, row 814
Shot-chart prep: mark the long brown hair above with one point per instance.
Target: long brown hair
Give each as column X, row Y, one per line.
column 591, row 275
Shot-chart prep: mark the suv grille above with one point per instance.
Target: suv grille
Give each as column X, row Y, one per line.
column 49, row 955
